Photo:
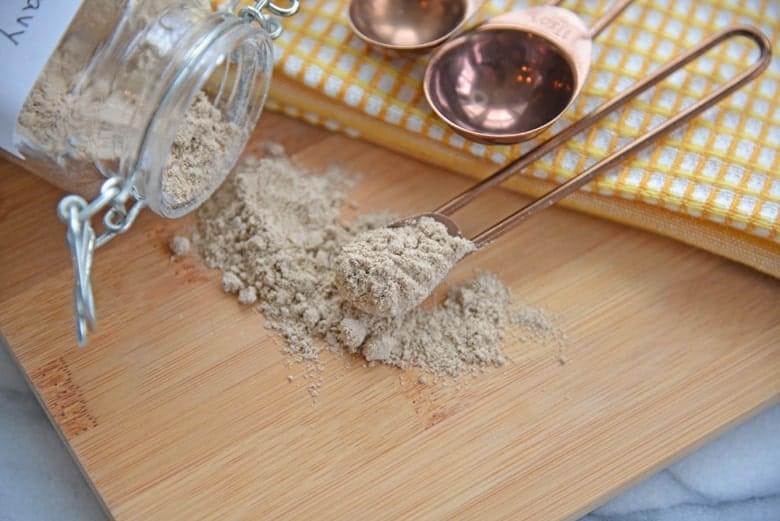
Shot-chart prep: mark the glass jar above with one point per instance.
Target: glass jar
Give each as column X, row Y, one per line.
column 142, row 103
column 164, row 93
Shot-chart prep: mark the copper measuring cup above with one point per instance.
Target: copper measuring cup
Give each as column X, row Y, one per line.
column 511, row 77
column 409, row 25
column 444, row 212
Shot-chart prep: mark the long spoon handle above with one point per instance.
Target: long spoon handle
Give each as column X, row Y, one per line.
column 607, row 18
column 556, row 194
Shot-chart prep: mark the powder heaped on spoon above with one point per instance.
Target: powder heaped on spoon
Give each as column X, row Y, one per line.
column 390, row 270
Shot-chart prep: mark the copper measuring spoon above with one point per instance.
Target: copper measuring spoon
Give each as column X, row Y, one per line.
column 444, row 212
column 510, row 78
column 409, row 25
column 402, row 290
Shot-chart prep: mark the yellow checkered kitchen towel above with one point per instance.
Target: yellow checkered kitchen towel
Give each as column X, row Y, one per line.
column 714, row 184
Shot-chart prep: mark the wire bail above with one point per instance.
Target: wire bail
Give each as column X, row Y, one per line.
column 272, row 25
column 76, row 213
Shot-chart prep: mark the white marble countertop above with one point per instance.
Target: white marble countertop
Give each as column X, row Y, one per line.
column 733, row 478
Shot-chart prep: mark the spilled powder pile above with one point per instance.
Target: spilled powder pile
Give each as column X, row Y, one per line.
column 275, row 232
column 465, row 331
column 388, row 271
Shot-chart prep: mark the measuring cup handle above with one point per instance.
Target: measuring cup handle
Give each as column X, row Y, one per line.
column 606, row 19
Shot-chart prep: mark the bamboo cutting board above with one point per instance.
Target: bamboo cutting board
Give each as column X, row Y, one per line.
column 180, row 408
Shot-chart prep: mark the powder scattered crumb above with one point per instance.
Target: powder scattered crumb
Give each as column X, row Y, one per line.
column 290, row 378
column 274, row 149
column 179, row 245
column 277, row 230
column 390, row 270
column 247, row 295
column 231, row 283
column 422, row 380
column 351, row 333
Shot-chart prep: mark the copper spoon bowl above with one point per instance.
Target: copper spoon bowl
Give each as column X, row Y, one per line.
column 512, row 77
column 409, row 25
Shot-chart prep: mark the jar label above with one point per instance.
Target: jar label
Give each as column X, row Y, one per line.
column 30, row 30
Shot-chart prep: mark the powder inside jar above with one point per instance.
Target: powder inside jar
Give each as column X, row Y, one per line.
column 391, row 270
column 198, row 150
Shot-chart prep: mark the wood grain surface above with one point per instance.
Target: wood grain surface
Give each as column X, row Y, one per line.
column 180, row 408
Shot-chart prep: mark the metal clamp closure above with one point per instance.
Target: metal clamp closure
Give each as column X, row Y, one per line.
column 272, row 25
column 82, row 240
